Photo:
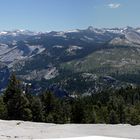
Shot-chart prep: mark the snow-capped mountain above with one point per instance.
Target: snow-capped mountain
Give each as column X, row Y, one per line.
column 15, row 35
column 17, row 32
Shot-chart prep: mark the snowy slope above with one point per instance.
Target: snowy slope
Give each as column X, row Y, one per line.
column 29, row 130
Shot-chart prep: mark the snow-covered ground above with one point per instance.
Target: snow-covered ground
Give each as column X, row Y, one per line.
column 28, row 130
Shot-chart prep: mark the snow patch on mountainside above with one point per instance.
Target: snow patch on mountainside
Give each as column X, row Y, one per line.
column 73, row 48
column 138, row 30
column 115, row 31
column 18, row 32
column 60, row 34
column 72, row 31
column 89, row 38
column 58, row 46
column 3, row 33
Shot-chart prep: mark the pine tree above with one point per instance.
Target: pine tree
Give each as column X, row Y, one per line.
column 37, row 110
column 134, row 117
column 89, row 115
column 113, row 118
column 12, row 88
column 16, row 102
column 77, row 112
column 3, row 109
column 121, row 110
column 49, row 103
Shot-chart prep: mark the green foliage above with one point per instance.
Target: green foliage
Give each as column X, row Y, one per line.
column 13, row 87
column 3, row 109
column 48, row 100
column 26, row 114
column 134, row 117
column 16, row 102
column 113, row 118
column 77, row 111
column 109, row 106
column 90, row 114
column 37, row 110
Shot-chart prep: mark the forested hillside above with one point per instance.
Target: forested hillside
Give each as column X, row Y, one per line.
column 109, row 106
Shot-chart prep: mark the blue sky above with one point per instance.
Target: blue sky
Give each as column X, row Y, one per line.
column 47, row 15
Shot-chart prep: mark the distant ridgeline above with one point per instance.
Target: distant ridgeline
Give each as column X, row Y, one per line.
column 109, row 106
column 77, row 62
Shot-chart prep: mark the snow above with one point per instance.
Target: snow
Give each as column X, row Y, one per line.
column 58, row 46
column 99, row 31
column 72, row 31
column 29, row 130
column 61, row 34
column 93, row 138
column 115, row 31
column 3, row 33
column 89, row 38
column 14, row 34
column 73, row 48
column 104, row 30
column 138, row 30
column 17, row 33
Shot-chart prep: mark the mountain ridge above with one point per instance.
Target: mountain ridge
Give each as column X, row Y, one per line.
column 61, row 57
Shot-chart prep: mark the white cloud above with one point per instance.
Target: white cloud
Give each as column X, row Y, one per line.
column 114, row 5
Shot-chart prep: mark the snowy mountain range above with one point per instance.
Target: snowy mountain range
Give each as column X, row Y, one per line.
column 16, row 42
column 48, row 57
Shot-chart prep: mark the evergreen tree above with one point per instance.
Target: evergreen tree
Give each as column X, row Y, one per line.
column 16, row 102
column 113, row 118
column 3, row 109
column 48, row 100
column 37, row 110
column 89, row 115
column 77, row 111
column 121, row 110
column 13, row 87
column 62, row 111
column 49, row 103
column 134, row 117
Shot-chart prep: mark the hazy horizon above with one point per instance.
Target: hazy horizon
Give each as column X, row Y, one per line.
column 4, row 30
column 54, row 15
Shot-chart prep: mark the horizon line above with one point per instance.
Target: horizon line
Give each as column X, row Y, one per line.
column 32, row 30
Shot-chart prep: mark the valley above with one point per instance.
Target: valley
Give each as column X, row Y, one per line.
column 108, row 57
